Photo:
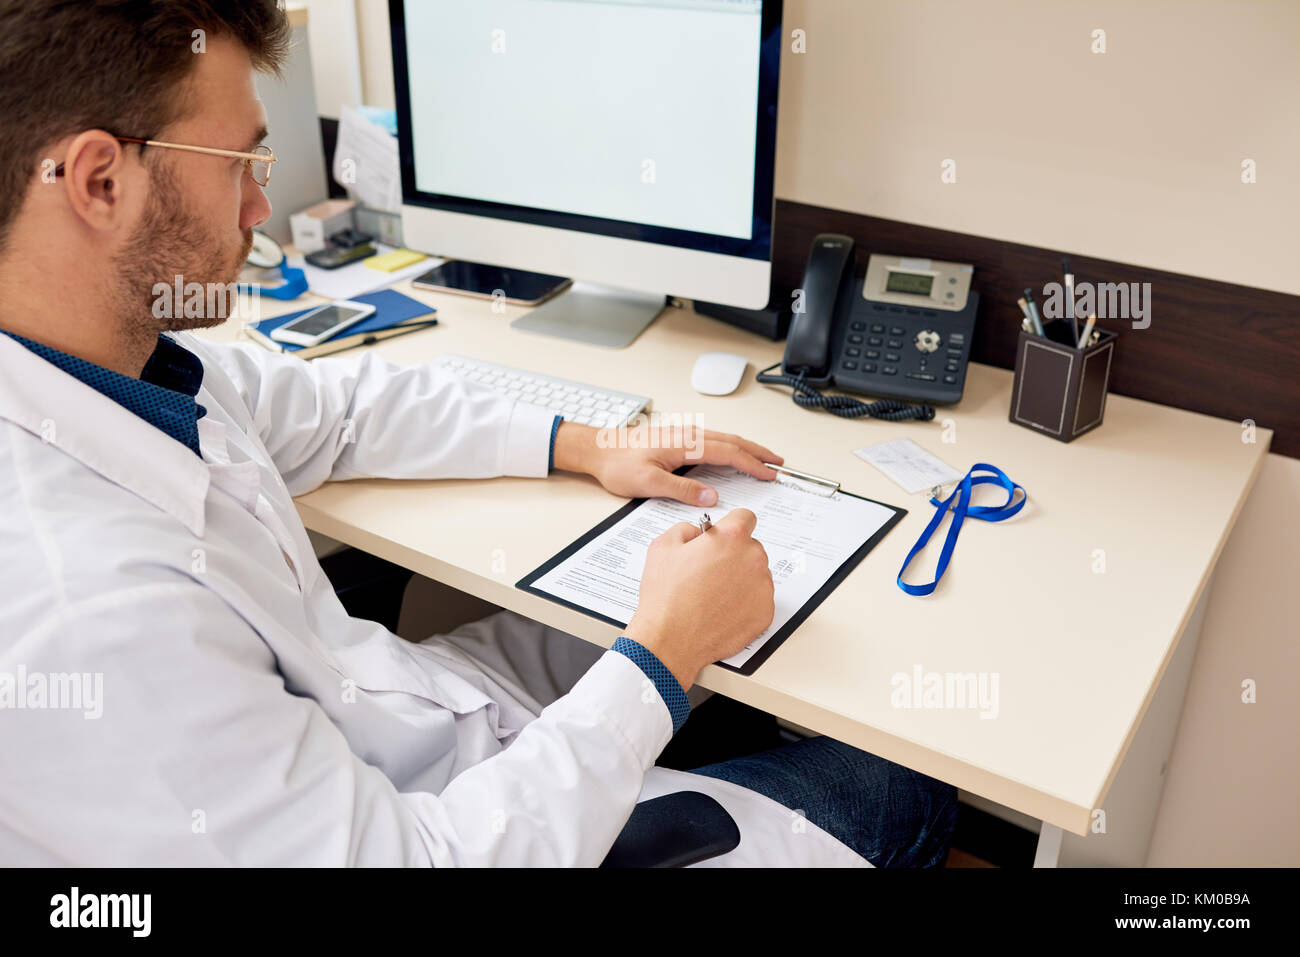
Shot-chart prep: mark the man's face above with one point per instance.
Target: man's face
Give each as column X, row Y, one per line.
column 199, row 219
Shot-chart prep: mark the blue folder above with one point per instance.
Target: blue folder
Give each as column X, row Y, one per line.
column 392, row 309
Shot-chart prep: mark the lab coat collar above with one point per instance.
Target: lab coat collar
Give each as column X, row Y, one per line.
column 63, row 411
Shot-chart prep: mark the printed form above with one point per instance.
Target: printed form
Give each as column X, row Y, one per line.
column 807, row 536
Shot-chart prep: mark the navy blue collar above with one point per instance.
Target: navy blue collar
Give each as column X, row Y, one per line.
column 163, row 395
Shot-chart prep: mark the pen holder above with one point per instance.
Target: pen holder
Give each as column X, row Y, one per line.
column 1060, row 390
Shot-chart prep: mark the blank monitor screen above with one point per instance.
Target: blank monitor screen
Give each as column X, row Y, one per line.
column 636, row 111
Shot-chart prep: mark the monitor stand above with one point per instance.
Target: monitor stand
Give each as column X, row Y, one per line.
column 599, row 315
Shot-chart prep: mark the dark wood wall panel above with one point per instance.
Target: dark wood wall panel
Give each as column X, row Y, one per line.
column 1214, row 347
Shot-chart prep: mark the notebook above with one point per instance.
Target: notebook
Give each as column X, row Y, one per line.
column 812, row 542
column 395, row 314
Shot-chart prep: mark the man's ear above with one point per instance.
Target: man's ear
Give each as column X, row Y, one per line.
column 92, row 168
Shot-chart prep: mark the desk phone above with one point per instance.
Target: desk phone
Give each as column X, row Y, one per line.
column 901, row 331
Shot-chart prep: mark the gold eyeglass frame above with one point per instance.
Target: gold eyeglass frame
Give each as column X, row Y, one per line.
column 249, row 159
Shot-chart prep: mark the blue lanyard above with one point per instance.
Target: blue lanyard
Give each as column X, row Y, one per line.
column 985, row 513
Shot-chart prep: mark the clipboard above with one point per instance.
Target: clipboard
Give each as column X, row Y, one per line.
column 807, row 481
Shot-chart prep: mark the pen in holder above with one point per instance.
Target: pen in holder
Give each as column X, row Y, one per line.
column 1060, row 390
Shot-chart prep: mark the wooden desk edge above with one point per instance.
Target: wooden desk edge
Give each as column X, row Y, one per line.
column 1187, row 615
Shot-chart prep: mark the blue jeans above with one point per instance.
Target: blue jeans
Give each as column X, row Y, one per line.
column 891, row 816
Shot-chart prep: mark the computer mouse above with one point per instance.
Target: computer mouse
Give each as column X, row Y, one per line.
column 718, row 373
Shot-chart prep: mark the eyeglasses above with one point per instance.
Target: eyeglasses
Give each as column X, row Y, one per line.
column 257, row 163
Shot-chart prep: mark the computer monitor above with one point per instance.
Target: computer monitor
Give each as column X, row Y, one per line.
column 628, row 144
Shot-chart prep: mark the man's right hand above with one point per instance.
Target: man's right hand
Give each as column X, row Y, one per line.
column 704, row 595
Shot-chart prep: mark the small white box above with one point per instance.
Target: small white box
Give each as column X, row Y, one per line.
column 311, row 227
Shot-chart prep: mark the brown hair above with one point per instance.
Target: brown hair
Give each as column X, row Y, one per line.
column 117, row 65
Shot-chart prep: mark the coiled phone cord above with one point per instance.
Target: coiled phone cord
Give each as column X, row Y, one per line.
column 891, row 410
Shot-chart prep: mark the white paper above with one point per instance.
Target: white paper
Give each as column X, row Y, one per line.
column 357, row 279
column 365, row 162
column 909, row 465
column 807, row 537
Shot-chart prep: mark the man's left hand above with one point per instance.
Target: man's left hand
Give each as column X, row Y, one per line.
column 638, row 462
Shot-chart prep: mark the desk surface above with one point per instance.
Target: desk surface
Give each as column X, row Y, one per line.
column 1074, row 607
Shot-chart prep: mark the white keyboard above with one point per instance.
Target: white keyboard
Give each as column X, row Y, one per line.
column 577, row 402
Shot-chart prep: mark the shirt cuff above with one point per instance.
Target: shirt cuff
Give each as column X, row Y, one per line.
column 526, row 440
column 618, row 692
column 555, row 428
column 679, row 706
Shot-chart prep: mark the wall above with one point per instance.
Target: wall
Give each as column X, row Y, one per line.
column 1132, row 155
column 332, row 26
column 299, row 177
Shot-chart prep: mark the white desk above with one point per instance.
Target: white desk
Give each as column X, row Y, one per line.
column 1078, row 653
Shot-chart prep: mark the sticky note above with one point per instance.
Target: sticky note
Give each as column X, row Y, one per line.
column 387, row 262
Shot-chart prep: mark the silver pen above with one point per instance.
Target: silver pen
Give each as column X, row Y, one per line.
column 813, row 479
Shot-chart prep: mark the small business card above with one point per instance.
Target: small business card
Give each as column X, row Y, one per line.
column 909, row 465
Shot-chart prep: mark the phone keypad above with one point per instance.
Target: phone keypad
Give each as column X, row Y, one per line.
column 904, row 352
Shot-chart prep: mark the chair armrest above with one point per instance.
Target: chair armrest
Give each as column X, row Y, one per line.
column 674, row 830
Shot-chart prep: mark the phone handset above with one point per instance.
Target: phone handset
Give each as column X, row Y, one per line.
column 808, row 347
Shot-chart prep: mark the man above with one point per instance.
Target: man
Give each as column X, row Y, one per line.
column 184, row 685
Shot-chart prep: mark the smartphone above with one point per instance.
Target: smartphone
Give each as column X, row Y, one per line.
column 515, row 286
column 324, row 323
column 332, row 257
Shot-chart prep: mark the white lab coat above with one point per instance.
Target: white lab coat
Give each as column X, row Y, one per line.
column 245, row 717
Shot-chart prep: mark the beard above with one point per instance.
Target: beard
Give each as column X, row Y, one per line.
column 171, row 242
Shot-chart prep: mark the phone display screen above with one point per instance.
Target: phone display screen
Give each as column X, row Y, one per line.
column 319, row 322
column 916, row 283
